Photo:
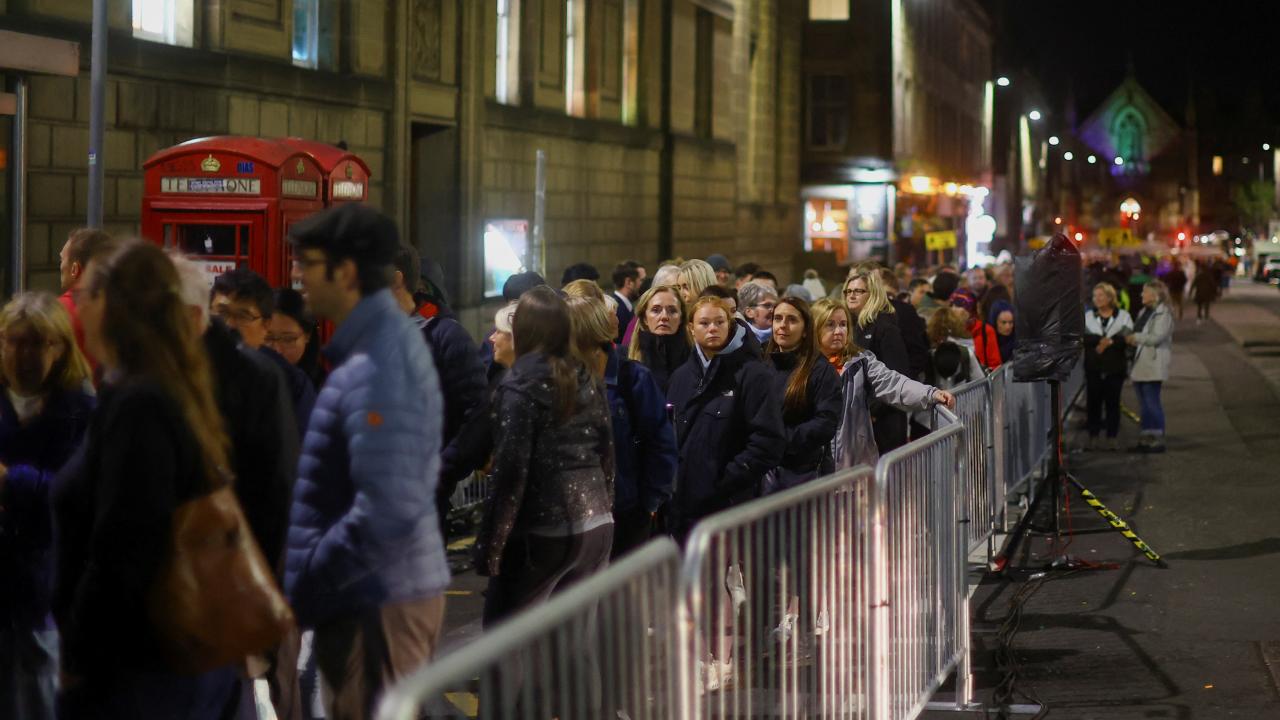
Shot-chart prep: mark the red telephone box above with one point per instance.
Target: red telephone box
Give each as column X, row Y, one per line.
column 346, row 174
column 229, row 201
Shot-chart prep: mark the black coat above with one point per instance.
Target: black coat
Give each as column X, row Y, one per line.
column 884, row 339
column 113, row 512
column 462, row 379
column 729, row 431
column 809, row 431
column 915, row 338
column 253, row 398
column 664, row 354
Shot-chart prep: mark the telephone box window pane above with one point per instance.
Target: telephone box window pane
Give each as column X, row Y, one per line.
column 208, row 240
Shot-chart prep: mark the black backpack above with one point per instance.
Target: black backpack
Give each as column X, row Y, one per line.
column 949, row 361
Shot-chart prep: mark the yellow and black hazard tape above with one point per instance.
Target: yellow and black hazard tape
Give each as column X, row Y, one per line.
column 1116, row 522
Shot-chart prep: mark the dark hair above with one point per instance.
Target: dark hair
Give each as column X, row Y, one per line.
column 84, row 244
column 945, row 283
column 720, row 291
column 746, row 269
column 408, row 262
column 245, row 284
column 541, row 324
column 796, row 396
column 764, row 275
column 579, row 271
column 915, row 283
column 354, row 232
column 290, row 303
column 624, row 271
column 889, row 279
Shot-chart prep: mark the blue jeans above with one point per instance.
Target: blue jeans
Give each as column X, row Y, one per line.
column 28, row 673
column 1152, row 410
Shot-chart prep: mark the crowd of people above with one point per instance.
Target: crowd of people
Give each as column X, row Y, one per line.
column 603, row 418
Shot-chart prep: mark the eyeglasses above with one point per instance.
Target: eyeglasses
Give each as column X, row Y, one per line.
column 235, row 316
column 856, row 291
column 765, row 305
column 286, row 339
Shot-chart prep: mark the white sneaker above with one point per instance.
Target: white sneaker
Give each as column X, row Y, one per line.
column 734, row 583
column 822, row 625
column 782, row 633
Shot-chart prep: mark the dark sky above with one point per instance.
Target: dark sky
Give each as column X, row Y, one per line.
column 1229, row 48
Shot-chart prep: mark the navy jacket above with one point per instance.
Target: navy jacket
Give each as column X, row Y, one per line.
column 363, row 530
column 728, row 429
column 644, row 442
column 33, row 453
column 462, row 378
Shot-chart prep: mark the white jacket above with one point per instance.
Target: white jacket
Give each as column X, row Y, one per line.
column 866, row 377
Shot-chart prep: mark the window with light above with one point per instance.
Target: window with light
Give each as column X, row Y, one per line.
column 306, row 33
column 164, row 21
column 829, row 9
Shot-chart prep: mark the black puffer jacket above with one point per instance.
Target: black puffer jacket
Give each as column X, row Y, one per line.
column 915, row 337
column 548, row 476
column 883, row 338
column 728, row 428
column 809, row 430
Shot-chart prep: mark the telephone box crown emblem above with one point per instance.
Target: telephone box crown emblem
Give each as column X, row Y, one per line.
column 210, row 164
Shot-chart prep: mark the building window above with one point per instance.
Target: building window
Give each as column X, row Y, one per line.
column 508, row 56
column 704, row 74
column 828, row 112
column 575, row 36
column 829, row 9
column 306, row 33
column 165, row 21
column 631, row 62
column 1217, row 165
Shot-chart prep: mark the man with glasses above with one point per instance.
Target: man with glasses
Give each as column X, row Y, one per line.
column 243, row 300
column 757, row 301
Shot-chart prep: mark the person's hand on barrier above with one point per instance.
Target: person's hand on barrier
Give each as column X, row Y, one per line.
column 1131, row 339
column 945, row 399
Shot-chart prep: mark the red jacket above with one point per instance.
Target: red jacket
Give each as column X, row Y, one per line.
column 985, row 344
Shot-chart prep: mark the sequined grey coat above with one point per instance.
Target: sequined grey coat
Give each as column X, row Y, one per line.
column 549, row 477
column 865, row 378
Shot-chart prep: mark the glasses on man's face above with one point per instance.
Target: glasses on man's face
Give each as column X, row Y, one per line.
column 232, row 315
column 766, row 305
column 284, row 339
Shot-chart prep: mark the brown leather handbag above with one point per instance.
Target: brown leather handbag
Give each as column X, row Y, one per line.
column 215, row 601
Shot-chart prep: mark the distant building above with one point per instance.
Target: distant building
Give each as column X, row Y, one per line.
column 898, row 123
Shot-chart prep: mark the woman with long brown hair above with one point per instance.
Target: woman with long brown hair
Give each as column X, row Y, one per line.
column 156, row 442
column 809, row 390
column 877, row 331
column 548, row 519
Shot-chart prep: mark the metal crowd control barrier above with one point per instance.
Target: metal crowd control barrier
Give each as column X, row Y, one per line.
column 982, row 495
column 470, row 492
column 921, row 600
column 606, row 647
column 778, row 604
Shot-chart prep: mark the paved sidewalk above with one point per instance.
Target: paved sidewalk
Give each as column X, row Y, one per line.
column 1202, row 638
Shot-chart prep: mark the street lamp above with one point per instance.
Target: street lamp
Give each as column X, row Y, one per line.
column 1068, row 155
column 1092, row 159
column 1034, row 114
column 1119, row 160
column 1053, row 140
column 1002, row 81
column 1266, row 147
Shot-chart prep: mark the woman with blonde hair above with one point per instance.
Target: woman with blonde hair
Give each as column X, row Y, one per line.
column 644, row 443
column 1153, row 337
column 1105, row 365
column 156, row 442
column 45, row 406
column 660, row 342
column 695, row 276
column 877, row 331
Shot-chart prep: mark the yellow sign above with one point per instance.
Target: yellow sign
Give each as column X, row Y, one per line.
column 941, row 240
column 1117, row 237
column 1037, row 242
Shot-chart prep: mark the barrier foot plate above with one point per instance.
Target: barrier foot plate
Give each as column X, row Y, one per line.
column 1015, row 709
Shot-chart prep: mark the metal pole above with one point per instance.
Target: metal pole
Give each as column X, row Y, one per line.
column 97, row 95
column 18, row 182
column 537, row 260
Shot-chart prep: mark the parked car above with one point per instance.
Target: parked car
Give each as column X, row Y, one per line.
column 1271, row 270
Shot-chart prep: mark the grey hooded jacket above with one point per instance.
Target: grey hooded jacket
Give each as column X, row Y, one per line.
column 865, row 378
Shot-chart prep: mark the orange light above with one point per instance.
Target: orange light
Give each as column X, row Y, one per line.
column 921, row 184
column 1057, row 221
column 1182, row 237
column 1079, row 237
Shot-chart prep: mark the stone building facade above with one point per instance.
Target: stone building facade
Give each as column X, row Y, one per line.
column 670, row 127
